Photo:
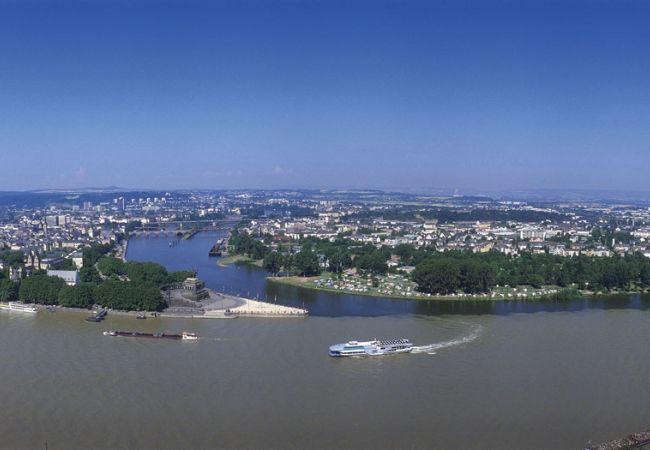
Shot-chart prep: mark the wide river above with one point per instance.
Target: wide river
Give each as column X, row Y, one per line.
column 504, row 375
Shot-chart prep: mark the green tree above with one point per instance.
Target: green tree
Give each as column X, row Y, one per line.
column 339, row 260
column 243, row 244
column 129, row 295
column 8, row 290
column 405, row 252
column 40, row 289
column 92, row 254
column 89, row 275
column 645, row 275
column 374, row 262
column 273, row 262
column 180, row 275
column 111, row 267
column 476, row 277
column 437, row 276
column 146, row 272
column 287, row 261
column 13, row 258
column 80, row 296
column 306, row 263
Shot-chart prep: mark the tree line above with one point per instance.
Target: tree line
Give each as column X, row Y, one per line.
column 140, row 272
column 243, row 244
column 453, row 272
column 12, row 258
column 445, row 273
column 447, row 215
column 140, row 293
column 340, row 255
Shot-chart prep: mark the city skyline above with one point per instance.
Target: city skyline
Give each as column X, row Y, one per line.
column 389, row 95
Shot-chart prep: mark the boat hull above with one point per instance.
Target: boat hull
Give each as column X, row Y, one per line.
column 369, row 353
column 136, row 334
column 371, row 348
column 18, row 307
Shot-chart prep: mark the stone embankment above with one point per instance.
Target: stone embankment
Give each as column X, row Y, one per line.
column 121, row 249
column 637, row 440
column 255, row 308
column 224, row 306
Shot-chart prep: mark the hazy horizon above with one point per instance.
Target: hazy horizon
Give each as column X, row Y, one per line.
column 402, row 96
column 613, row 196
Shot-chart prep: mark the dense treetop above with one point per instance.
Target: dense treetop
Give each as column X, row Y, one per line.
column 127, row 285
column 453, row 272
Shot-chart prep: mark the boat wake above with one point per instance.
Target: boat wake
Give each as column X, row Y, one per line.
column 431, row 349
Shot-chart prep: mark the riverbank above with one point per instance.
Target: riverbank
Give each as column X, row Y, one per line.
column 116, row 312
column 310, row 283
column 121, row 248
column 87, row 312
column 219, row 305
column 304, row 282
column 238, row 259
column 637, row 440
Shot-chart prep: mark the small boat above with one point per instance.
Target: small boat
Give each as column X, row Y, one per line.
column 141, row 316
column 16, row 306
column 97, row 316
column 189, row 336
column 216, row 249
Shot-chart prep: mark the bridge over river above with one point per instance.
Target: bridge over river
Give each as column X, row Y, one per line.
column 187, row 228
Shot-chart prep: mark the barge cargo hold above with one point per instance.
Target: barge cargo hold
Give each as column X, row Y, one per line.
column 185, row 335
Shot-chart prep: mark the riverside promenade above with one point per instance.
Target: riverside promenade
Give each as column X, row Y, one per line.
column 224, row 306
column 256, row 308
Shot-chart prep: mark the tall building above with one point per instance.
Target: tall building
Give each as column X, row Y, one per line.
column 51, row 221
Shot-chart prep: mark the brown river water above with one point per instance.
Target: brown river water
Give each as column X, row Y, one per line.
column 543, row 378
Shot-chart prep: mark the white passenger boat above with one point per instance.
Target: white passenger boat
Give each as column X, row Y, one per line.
column 186, row 335
column 371, row 348
column 16, row 306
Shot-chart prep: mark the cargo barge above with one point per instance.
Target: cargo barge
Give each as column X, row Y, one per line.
column 185, row 335
column 216, row 249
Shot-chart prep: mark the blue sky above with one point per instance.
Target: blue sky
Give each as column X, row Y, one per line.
column 408, row 95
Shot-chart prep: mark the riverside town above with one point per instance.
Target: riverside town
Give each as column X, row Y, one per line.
column 69, row 248
column 325, row 224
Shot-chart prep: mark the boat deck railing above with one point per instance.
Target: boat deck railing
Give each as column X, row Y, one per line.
column 394, row 342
